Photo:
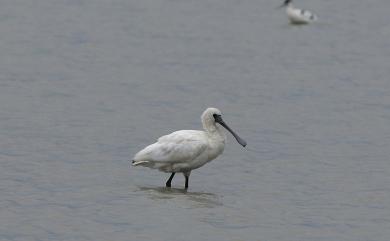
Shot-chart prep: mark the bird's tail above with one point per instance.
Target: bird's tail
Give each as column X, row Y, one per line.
column 137, row 163
column 162, row 166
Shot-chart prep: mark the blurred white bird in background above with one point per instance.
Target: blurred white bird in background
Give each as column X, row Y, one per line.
column 296, row 15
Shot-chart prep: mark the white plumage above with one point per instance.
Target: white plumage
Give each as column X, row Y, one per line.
column 185, row 150
column 298, row 16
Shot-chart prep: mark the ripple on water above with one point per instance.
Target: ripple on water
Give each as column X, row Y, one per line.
column 197, row 199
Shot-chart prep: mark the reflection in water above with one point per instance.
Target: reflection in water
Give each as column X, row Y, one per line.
column 197, row 199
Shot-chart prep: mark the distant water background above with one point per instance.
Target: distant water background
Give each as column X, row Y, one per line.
column 86, row 84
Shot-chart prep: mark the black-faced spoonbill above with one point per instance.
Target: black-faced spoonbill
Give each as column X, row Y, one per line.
column 185, row 150
column 296, row 15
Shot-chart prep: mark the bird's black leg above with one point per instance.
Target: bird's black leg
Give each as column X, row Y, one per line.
column 187, row 178
column 168, row 183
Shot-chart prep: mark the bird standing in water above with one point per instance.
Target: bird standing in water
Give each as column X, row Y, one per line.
column 186, row 150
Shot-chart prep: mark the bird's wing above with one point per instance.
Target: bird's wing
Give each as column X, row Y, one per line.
column 179, row 146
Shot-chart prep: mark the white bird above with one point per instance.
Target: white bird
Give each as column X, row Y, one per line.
column 185, row 150
column 298, row 16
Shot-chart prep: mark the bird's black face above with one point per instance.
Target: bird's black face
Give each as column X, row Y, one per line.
column 218, row 119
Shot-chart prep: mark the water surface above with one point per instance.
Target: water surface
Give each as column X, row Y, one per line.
column 86, row 84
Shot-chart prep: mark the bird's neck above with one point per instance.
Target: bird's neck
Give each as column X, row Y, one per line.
column 217, row 134
column 217, row 140
column 290, row 8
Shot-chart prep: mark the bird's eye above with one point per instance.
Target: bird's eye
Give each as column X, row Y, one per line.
column 217, row 117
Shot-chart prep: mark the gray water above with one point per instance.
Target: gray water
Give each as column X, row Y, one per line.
column 86, row 84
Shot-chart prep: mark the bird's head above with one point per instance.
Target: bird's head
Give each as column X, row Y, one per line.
column 285, row 3
column 212, row 116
